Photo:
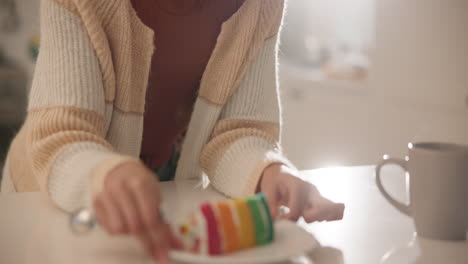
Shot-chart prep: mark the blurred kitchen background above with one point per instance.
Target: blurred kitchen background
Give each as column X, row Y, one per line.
column 359, row 78
column 19, row 37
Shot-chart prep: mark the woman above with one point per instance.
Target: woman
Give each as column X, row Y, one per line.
column 107, row 115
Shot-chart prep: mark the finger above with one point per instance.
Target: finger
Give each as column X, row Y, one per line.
column 122, row 226
column 332, row 213
column 338, row 212
column 145, row 241
column 272, row 198
column 128, row 207
column 174, row 242
column 296, row 201
column 324, row 211
column 314, row 210
column 160, row 244
column 278, row 201
column 147, row 201
column 283, row 194
column 315, row 214
column 113, row 217
column 100, row 213
column 282, row 203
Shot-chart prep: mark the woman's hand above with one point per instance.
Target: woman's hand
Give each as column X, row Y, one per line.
column 129, row 204
column 282, row 186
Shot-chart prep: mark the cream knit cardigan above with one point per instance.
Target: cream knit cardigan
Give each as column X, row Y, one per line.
column 86, row 105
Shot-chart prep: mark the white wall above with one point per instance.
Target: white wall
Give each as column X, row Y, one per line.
column 416, row 90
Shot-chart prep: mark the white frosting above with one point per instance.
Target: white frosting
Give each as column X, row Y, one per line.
column 194, row 231
column 202, row 232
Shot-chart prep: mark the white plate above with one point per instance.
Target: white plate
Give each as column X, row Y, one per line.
column 290, row 241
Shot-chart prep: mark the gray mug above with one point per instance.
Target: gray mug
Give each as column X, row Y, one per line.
column 438, row 189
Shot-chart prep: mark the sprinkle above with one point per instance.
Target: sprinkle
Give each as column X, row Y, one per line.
column 183, row 229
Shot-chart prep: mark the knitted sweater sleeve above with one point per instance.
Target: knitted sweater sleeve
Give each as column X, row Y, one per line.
column 62, row 142
column 246, row 139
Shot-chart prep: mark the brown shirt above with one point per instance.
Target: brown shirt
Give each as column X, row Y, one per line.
column 185, row 36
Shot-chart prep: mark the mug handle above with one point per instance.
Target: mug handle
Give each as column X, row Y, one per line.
column 398, row 205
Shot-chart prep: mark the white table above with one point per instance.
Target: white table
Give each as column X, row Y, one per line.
column 32, row 231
